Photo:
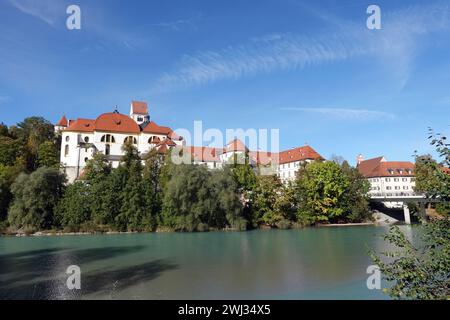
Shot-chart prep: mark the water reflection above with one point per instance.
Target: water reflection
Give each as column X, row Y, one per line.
column 265, row 264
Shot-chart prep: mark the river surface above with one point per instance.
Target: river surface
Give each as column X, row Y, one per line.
column 310, row 263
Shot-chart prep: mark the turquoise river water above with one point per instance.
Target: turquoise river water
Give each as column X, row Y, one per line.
column 310, row 263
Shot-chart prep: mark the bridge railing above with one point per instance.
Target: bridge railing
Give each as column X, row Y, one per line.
column 396, row 195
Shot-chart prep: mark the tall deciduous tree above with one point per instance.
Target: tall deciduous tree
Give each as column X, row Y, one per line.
column 35, row 198
column 48, row 155
column 321, row 188
column 74, row 208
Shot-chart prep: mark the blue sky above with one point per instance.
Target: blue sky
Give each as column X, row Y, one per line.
column 309, row 68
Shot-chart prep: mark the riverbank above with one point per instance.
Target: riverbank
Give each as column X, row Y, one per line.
column 52, row 233
column 346, row 224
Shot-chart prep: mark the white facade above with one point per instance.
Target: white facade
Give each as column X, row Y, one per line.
column 388, row 178
column 288, row 171
column 78, row 145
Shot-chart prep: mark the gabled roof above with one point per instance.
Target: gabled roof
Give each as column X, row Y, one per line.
column 202, row 154
column 139, row 107
column 379, row 167
column 298, row 154
column 81, row 125
column 262, row 157
column 152, row 127
column 116, row 122
column 63, row 122
column 236, row 145
column 366, row 167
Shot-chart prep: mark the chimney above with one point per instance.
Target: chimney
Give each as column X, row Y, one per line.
column 359, row 159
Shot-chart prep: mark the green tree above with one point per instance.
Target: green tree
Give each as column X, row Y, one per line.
column 418, row 272
column 229, row 210
column 356, row 200
column 7, row 176
column 74, row 208
column 9, row 150
column 321, row 190
column 244, row 174
column 196, row 199
column 267, row 190
column 35, row 198
column 133, row 213
column 30, row 134
column 4, row 131
column 152, row 171
column 97, row 169
column 48, row 155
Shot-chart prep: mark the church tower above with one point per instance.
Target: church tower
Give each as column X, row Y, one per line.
column 139, row 112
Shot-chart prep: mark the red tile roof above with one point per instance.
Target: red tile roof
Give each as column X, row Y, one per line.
column 379, row 167
column 139, row 107
column 81, row 125
column 262, row 157
column 116, row 122
column 236, row 145
column 298, row 154
column 63, row 122
column 152, row 127
column 167, row 142
column 202, row 154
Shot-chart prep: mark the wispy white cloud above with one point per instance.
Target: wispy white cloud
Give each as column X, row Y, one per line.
column 44, row 10
column 4, row 99
column 395, row 46
column 180, row 24
column 176, row 25
column 346, row 113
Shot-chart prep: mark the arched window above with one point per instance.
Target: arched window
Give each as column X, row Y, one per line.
column 154, row 140
column 66, row 150
column 86, row 139
column 130, row 138
column 107, row 150
column 67, row 138
column 108, row 138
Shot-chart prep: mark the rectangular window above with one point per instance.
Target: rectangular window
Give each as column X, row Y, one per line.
column 388, row 179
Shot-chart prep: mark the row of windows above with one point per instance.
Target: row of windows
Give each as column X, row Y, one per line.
column 107, row 150
column 390, row 188
column 397, row 188
column 288, row 165
column 286, row 174
column 108, row 138
column 390, row 179
column 400, row 171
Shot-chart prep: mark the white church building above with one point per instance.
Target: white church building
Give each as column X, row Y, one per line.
column 82, row 138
